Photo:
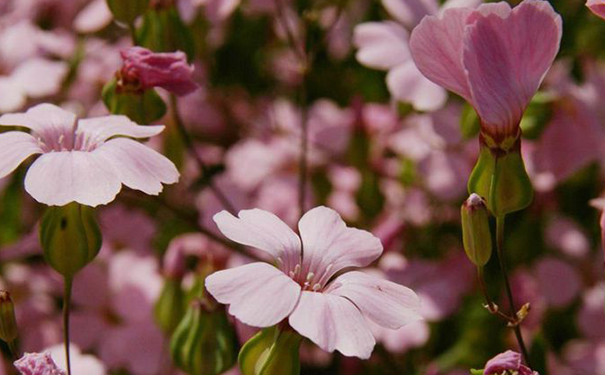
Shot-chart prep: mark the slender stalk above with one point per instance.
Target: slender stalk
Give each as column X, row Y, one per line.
column 133, row 33
column 13, row 349
column 191, row 148
column 509, row 293
column 66, row 309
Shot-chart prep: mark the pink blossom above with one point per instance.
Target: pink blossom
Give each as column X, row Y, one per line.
column 495, row 57
column 83, row 161
column 597, row 7
column 146, row 69
column 331, row 313
column 507, row 361
column 37, row 364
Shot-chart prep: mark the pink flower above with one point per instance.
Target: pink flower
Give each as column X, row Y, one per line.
column 508, row 361
column 85, row 161
column 145, row 69
column 495, row 57
column 597, row 7
column 330, row 311
column 37, row 364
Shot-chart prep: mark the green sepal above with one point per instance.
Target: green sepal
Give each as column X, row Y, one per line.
column 170, row 307
column 127, row 11
column 70, row 238
column 501, row 179
column 162, row 30
column 469, row 122
column 271, row 352
column 204, row 343
column 141, row 107
column 476, row 372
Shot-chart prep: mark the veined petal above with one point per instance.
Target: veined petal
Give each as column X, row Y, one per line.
column 100, row 129
column 407, row 84
column 388, row 304
column 58, row 178
column 262, row 230
column 381, row 45
column 333, row 323
column 15, row 147
column 258, row 294
column 138, row 166
column 329, row 245
column 44, row 119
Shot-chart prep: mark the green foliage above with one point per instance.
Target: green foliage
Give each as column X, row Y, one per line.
column 162, row 30
column 127, row 11
column 143, row 108
column 271, row 352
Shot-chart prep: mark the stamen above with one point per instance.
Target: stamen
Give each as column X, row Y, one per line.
column 316, row 287
column 280, row 261
column 310, row 276
column 297, row 269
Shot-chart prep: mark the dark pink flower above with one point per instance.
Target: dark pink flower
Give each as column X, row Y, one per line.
column 37, row 364
column 597, row 7
column 506, row 363
column 146, row 69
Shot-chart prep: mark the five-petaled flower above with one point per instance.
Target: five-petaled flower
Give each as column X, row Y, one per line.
column 507, row 363
column 313, row 284
column 84, row 161
column 495, row 57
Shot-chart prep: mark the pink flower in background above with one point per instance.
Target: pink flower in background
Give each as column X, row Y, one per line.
column 84, row 161
column 146, row 69
column 507, row 361
column 597, row 7
column 329, row 311
column 495, row 57
column 37, row 364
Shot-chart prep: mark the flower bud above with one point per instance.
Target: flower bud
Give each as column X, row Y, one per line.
column 8, row 323
column 129, row 99
column 476, row 234
column 70, row 238
column 127, row 10
column 271, row 352
column 170, row 307
column 204, row 342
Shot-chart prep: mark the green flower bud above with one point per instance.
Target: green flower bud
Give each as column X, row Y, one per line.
column 127, row 10
column 204, row 342
column 70, row 238
column 125, row 98
column 8, row 323
column 170, row 307
column 271, row 352
column 476, row 234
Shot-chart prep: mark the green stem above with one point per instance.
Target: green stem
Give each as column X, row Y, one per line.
column 13, row 349
column 509, row 293
column 66, row 310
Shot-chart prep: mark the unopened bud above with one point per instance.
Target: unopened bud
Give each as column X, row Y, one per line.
column 170, row 307
column 272, row 351
column 476, row 235
column 127, row 11
column 8, row 323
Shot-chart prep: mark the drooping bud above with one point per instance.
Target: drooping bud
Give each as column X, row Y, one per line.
column 204, row 342
column 170, row 307
column 8, row 323
column 272, row 351
column 70, row 238
column 127, row 11
column 476, row 235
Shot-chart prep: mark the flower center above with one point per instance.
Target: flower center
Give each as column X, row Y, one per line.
column 65, row 141
column 309, row 281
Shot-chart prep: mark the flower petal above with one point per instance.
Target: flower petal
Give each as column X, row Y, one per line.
column 597, row 7
column 259, row 294
column 43, row 119
column 262, row 230
column 333, row 323
column 407, row 84
column 137, row 166
column 410, row 12
column 40, row 77
column 58, row 178
column 389, row 304
column 102, row 128
column 436, row 47
column 15, row 147
column 507, row 58
column 13, row 97
column 329, row 245
column 382, row 45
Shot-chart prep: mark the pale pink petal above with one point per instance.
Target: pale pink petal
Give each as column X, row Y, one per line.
column 262, row 230
column 258, row 294
column 138, row 166
column 597, row 7
column 436, row 47
column 559, row 282
column 40, row 77
column 507, row 58
column 461, row 4
column 381, row 45
column 407, row 84
column 58, row 178
column 94, row 17
column 13, row 97
column 329, row 245
column 410, row 12
column 102, row 128
column 42, row 119
column 15, row 147
column 389, row 304
column 503, row 362
column 333, row 323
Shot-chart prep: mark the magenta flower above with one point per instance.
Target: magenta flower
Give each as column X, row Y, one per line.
column 506, row 363
column 597, row 7
column 37, row 364
column 145, row 69
column 495, row 57
column 84, row 161
column 327, row 308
